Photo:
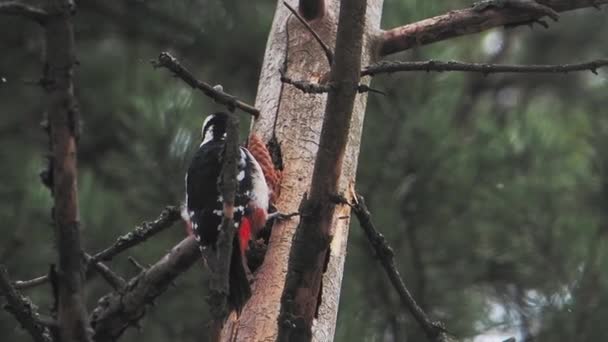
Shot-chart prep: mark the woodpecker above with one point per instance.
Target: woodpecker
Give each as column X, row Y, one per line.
column 204, row 202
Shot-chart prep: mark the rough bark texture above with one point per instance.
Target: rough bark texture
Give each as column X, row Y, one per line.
column 117, row 311
column 299, row 118
column 311, row 243
column 468, row 21
column 63, row 125
column 23, row 309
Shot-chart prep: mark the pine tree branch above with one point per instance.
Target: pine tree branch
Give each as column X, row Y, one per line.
column 23, row 309
column 471, row 20
column 16, row 8
column 316, row 88
column 26, row 284
column 116, row 281
column 312, row 9
column 218, row 259
column 117, row 311
column 434, row 330
column 165, row 60
column 141, row 233
column 440, row 66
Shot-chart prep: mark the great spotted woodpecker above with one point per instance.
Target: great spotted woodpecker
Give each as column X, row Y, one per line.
column 204, row 202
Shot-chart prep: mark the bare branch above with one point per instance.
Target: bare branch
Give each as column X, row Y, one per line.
column 26, row 284
column 440, row 66
column 165, row 60
column 140, row 234
column 312, row 238
column 23, row 309
column 305, row 86
column 219, row 259
column 312, row 9
column 435, row 331
column 17, row 8
column 316, row 88
column 528, row 6
column 471, row 20
column 116, row 311
column 116, row 281
column 328, row 53
column 138, row 266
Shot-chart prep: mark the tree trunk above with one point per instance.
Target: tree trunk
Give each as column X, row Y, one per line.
column 63, row 117
column 295, row 119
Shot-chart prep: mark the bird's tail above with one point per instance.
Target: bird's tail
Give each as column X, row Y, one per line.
column 239, row 288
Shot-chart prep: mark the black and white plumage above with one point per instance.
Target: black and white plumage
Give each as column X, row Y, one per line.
column 204, row 201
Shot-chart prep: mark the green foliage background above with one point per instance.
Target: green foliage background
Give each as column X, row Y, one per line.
column 492, row 190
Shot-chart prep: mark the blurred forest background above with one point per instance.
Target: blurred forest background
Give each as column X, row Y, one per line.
column 493, row 191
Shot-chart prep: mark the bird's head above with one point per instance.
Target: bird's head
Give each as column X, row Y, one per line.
column 214, row 127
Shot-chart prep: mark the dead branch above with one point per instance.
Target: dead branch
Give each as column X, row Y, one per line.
column 219, row 259
column 305, row 86
column 137, row 265
column 471, row 20
column 23, row 309
column 116, row 281
column 165, row 60
column 440, row 66
column 434, row 330
column 20, row 9
column 116, row 311
column 26, row 284
column 328, row 53
column 312, row 9
column 311, row 242
column 141, row 233
column 316, row 88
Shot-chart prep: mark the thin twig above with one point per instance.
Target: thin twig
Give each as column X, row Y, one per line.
column 328, row 53
column 17, row 8
column 316, row 88
column 305, row 86
column 117, row 282
column 140, row 234
column 23, row 309
column 140, row 268
column 434, row 330
column 440, row 66
column 26, row 284
column 165, row 60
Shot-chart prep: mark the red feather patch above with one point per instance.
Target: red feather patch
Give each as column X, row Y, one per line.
column 244, row 234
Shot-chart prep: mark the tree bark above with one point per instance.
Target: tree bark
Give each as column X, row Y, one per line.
column 468, row 21
column 295, row 119
column 117, row 311
column 310, row 246
column 63, row 124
